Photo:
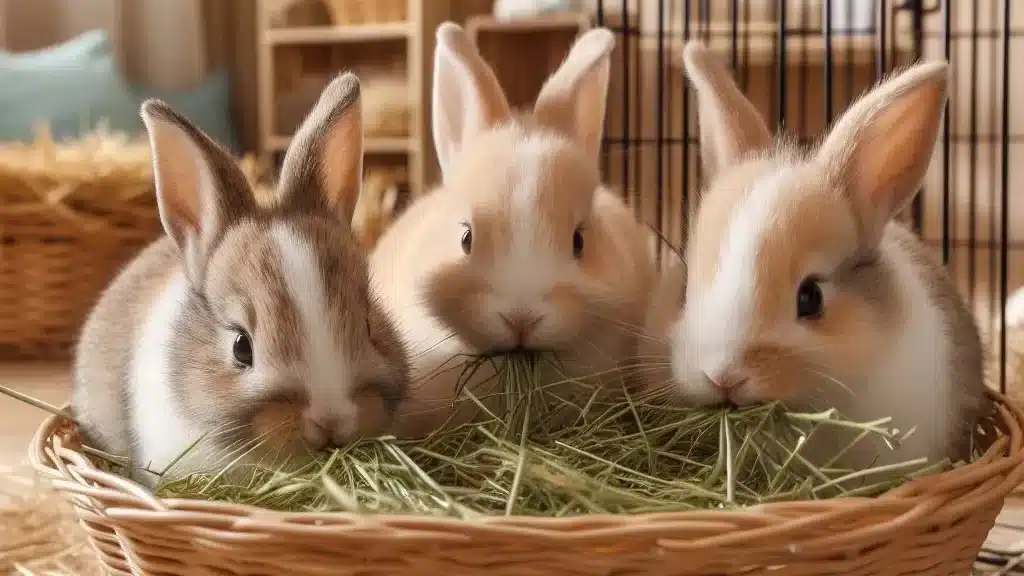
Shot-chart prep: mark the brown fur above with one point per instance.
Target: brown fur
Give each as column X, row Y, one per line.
column 219, row 234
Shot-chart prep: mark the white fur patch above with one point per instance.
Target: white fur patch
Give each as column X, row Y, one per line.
column 162, row 432
column 914, row 373
column 528, row 271
column 715, row 328
column 328, row 374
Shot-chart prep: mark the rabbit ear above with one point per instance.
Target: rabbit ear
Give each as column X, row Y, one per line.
column 467, row 96
column 200, row 189
column 879, row 151
column 729, row 125
column 574, row 98
column 323, row 167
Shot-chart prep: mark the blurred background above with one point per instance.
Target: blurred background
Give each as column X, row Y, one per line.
column 76, row 196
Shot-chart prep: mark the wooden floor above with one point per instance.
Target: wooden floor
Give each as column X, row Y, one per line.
column 18, row 421
column 51, row 383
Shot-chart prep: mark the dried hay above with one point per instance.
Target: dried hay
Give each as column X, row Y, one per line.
column 387, row 106
column 102, row 180
column 39, row 532
column 622, row 454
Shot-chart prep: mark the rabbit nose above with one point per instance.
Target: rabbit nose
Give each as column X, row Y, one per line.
column 325, row 430
column 521, row 324
column 728, row 379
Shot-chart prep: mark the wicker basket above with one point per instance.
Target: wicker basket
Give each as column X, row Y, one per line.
column 70, row 216
column 359, row 12
column 933, row 526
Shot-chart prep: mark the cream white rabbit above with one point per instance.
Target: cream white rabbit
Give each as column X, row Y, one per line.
column 520, row 247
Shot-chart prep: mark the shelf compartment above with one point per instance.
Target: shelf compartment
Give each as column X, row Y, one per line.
column 390, row 31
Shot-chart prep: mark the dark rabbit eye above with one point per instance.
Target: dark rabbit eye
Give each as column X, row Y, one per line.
column 242, row 349
column 577, row 243
column 467, row 240
column 810, row 303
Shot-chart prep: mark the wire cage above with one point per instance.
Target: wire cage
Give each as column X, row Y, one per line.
column 802, row 62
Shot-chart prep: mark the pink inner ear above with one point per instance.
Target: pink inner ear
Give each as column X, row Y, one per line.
column 342, row 162
column 467, row 97
column 729, row 125
column 892, row 155
column 178, row 172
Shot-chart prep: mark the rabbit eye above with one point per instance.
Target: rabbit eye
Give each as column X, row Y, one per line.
column 810, row 303
column 577, row 243
column 242, row 349
column 467, row 240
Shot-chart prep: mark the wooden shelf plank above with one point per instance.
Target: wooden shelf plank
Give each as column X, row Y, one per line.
column 335, row 34
column 488, row 23
column 371, row 145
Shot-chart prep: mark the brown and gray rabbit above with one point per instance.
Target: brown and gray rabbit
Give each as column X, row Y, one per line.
column 245, row 324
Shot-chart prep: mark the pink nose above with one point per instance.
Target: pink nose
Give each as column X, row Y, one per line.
column 521, row 324
column 325, row 430
column 728, row 380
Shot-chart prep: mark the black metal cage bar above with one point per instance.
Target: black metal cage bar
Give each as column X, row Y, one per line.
column 804, row 62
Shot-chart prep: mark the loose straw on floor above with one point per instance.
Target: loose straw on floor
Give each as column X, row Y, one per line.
column 39, row 533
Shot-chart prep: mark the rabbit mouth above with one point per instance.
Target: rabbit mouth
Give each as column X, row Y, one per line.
column 521, row 349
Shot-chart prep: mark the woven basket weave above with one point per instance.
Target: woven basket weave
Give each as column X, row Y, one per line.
column 933, row 526
column 71, row 215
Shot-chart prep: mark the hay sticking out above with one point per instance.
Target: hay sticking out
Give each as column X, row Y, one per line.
column 39, row 533
column 620, row 455
column 96, row 173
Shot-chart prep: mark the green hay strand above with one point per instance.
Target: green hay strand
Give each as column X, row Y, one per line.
column 620, row 454
column 616, row 454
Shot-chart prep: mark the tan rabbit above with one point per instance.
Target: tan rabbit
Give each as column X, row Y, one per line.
column 801, row 287
column 520, row 247
column 246, row 322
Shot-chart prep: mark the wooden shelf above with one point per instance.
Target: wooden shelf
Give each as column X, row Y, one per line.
column 298, row 48
column 334, row 34
column 525, row 52
column 488, row 23
column 370, row 145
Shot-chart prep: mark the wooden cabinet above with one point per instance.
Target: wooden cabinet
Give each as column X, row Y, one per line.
column 303, row 44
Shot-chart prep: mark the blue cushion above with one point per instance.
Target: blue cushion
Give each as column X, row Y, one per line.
column 72, row 99
column 76, row 85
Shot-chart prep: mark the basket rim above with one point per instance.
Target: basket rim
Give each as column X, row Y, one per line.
column 949, row 494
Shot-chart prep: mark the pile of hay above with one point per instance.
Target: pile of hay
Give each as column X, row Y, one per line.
column 102, row 181
column 621, row 455
column 85, row 179
column 39, row 533
column 616, row 454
